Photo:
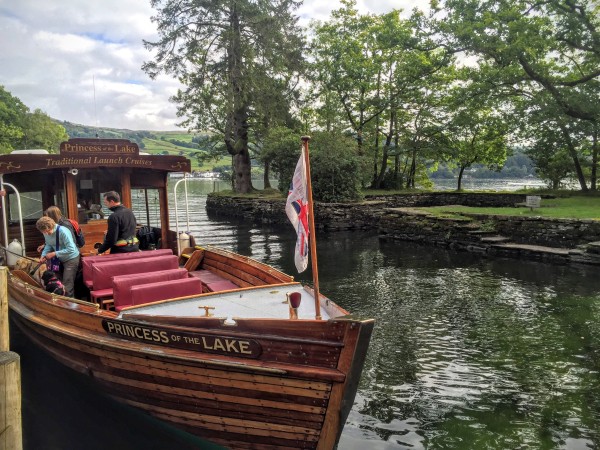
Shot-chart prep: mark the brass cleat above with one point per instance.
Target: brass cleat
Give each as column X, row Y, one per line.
column 207, row 309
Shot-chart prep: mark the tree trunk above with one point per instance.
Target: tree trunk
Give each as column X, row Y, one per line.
column 236, row 134
column 385, row 153
column 376, row 183
column 410, row 179
column 241, row 176
column 266, row 180
column 460, row 175
column 593, row 176
column 573, row 153
column 397, row 177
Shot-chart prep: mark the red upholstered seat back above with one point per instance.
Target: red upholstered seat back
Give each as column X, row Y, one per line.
column 122, row 283
column 88, row 261
column 153, row 292
column 102, row 273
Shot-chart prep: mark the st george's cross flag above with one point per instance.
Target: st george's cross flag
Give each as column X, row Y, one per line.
column 296, row 209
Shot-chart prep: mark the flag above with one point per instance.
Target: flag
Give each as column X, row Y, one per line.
column 296, row 209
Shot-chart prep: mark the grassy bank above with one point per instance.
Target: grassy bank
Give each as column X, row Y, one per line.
column 575, row 207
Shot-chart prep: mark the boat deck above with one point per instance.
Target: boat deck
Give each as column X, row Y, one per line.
column 260, row 302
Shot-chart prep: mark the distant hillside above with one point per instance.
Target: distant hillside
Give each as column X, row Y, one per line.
column 154, row 142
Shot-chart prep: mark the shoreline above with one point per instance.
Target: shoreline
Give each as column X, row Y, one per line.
column 560, row 241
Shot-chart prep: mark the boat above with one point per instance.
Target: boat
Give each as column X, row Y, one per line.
column 233, row 350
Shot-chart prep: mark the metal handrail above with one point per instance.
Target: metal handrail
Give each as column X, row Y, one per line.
column 2, row 184
column 187, row 210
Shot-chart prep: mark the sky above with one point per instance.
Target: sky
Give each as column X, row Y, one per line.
column 80, row 60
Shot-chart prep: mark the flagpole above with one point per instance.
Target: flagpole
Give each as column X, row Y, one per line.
column 311, row 228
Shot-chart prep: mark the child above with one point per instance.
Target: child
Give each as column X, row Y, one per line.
column 52, row 284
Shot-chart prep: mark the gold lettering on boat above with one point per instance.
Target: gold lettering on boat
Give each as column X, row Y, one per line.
column 224, row 345
column 95, row 147
column 137, row 162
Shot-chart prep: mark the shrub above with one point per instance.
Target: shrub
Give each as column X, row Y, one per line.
column 335, row 168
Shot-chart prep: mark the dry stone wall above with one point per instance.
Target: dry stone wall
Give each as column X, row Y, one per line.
column 396, row 217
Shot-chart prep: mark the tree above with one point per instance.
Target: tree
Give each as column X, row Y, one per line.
column 40, row 131
column 476, row 136
column 21, row 129
column 281, row 152
column 12, row 113
column 347, row 64
column 336, row 167
column 228, row 54
column 550, row 46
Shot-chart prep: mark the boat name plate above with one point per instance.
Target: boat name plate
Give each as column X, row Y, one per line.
column 208, row 343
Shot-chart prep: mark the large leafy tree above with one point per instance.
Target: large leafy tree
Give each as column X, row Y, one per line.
column 12, row 113
column 21, row 129
column 229, row 55
column 550, row 47
column 348, row 65
column 382, row 78
column 476, row 136
column 281, row 151
column 40, row 131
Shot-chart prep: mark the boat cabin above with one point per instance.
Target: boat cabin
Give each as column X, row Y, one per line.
column 76, row 179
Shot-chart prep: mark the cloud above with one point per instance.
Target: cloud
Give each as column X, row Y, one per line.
column 81, row 61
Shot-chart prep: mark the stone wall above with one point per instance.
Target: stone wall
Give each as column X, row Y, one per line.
column 330, row 216
column 565, row 233
column 395, row 217
column 350, row 216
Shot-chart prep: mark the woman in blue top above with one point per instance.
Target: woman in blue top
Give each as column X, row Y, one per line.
column 67, row 252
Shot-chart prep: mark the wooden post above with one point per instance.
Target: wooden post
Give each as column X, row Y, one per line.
column 11, row 437
column 311, row 228
column 4, row 338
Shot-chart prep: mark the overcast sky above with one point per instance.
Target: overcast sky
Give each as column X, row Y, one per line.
column 80, row 60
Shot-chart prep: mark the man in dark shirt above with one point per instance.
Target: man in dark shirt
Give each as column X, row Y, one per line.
column 120, row 236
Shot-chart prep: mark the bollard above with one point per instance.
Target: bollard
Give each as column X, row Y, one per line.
column 11, row 437
column 10, row 408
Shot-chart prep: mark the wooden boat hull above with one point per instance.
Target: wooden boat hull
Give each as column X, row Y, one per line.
column 292, row 387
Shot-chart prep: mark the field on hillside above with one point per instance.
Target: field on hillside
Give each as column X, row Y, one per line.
column 166, row 142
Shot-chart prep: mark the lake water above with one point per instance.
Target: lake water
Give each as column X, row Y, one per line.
column 468, row 352
column 491, row 184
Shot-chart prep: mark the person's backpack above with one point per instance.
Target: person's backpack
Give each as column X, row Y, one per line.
column 147, row 237
column 79, row 237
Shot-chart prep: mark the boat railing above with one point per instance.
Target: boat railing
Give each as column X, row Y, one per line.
column 187, row 210
column 4, row 218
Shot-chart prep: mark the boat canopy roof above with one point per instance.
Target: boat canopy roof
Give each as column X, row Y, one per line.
column 84, row 153
column 75, row 180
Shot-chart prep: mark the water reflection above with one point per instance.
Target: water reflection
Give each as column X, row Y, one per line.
column 473, row 353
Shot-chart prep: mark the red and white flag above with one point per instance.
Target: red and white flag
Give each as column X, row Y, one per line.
column 296, row 209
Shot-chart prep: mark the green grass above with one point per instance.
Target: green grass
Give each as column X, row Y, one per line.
column 575, row 207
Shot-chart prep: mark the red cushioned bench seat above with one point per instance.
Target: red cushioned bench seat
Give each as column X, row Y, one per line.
column 212, row 281
column 103, row 273
column 122, row 284
column 206, row 276
column 88, row 261
column 224, row 285
column 153, row 292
